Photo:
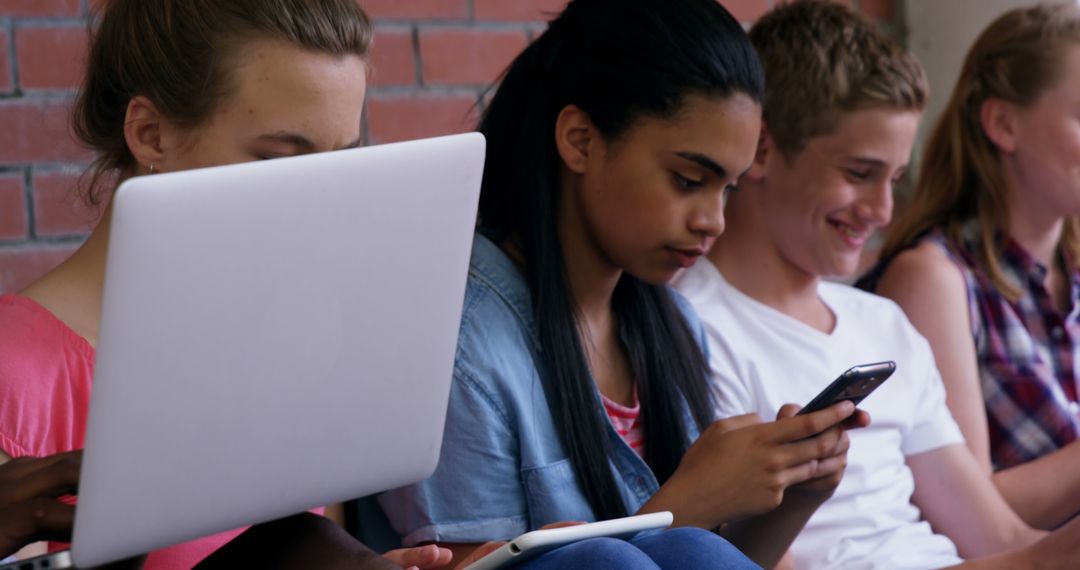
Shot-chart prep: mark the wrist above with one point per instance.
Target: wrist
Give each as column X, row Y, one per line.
column 673, row 496
column 811, row 499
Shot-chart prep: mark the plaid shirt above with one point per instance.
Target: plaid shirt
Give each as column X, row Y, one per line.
column 1028, row 352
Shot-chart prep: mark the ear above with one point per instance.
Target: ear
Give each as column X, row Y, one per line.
column 998, row 118
column 574, row 136
column 766, row 146
column 142, row 132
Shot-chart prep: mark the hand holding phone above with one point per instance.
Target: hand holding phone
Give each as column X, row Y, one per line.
column 855, row 384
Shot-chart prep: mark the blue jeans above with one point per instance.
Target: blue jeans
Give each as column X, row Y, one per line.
column 675, row 548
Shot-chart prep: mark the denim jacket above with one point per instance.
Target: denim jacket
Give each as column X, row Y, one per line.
column 502, row 470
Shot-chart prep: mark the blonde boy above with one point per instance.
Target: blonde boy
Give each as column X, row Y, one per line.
column 842, row 106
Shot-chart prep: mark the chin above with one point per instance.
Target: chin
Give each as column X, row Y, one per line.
column 655, row 276
column 842, row 271
column 834, row 268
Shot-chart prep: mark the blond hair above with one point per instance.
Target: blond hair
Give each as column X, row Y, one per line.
column 823, row 60
column 1015, row 59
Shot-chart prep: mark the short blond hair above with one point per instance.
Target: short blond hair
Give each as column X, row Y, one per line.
column 823, row 60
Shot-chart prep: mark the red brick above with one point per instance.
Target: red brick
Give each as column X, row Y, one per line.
column 392, row 119
column 416, row 9
column 57, row 210
column 6, row 83
column 38, row 131
column 12, row 207
column 882, row 10
column 392, row 58
column 13, row 8
column 50, row 58
column 21, row 266
column 518, row 10
column 471, row 57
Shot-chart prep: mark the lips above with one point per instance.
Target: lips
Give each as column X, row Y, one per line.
column 686, row 257
column 851, row 235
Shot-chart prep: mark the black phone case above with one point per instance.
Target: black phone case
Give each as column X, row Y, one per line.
column 855, row 384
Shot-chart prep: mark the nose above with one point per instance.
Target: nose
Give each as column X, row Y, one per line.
column 707, row 220
column 876, row 206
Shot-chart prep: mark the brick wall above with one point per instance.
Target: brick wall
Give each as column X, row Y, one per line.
column 432, row 60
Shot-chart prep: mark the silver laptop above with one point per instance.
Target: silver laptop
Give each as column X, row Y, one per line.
column 275, row 336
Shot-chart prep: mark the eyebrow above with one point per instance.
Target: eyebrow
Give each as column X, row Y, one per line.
column 301, row 141
column 867, row 161
column 702, row 160
column 705, row 161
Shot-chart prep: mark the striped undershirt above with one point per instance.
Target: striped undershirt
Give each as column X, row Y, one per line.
column 627, row 422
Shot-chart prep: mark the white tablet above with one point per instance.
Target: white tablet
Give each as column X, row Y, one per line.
column 539, row 541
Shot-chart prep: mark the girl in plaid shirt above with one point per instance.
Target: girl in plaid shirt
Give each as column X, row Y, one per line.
column 984, row 262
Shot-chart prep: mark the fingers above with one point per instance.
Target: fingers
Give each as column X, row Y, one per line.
column 859, row 419
column 23, row 479
column 427, row 556
column 787, row 411
column 801, row 427
column 29, row 521
column 484, row 550
column 828, row 443
column 831, row 466
column 735, row 422
column 22, row 467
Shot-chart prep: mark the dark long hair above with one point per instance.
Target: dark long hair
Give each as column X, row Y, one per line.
column 618, row 60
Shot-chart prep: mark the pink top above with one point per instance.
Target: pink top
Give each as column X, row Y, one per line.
column 627, row 421
column 46, row 371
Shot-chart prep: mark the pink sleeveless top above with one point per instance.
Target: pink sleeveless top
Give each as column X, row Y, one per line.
column 46, row 371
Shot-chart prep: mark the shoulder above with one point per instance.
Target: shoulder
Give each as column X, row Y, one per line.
column 497, row 302
column 684, row 307
column 928, row 267
column 45, row 376
column 930, row 286
column 496, row 339
column 874, row 316
column 31, row 337
column 853, row 298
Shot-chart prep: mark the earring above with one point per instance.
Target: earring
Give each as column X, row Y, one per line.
column 151, row 168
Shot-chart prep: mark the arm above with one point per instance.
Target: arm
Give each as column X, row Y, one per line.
column 931, row 290
column 758, row 536
column 959, row 500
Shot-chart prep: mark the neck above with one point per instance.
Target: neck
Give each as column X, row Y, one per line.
column 1035, row 225
column 591, row 276
column 754, row 265
column 73, row 290
column 1035, row 229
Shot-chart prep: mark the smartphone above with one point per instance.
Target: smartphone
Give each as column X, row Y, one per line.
column 539, row 541
column 854, row 385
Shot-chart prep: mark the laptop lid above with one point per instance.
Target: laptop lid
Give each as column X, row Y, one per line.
column 275, row 336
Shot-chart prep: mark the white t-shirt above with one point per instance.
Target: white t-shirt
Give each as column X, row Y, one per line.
column 762, row 358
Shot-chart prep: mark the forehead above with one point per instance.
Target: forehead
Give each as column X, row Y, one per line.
column 1067, row 87
column 724, row 128
column 272, row 81
column 881, row 134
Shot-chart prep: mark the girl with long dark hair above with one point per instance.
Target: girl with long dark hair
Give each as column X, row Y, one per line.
column 580, row 382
